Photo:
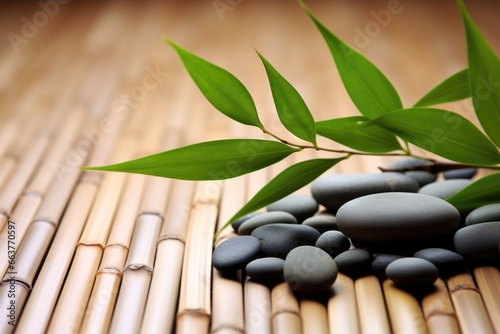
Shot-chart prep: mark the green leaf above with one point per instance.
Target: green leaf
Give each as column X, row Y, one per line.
column 483, row 191
column 442, row 132
column 222, row 89
column 484, row 67
column 215, row 160
column 355, row 133
column 285, row 183
column 369, row 89
column 454, row 88
column 291, row 108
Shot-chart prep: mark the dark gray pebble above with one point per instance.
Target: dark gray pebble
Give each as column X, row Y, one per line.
column 353, row 260
column 300, row 206
column 333, row 191
column 443, row 259
column 382, row 260
column 485, row 213
column 275, row 217
column 333, row 242
column 421, row 176
column 412, row 271
column 236, row 224
column 462, row 173
column 279, row 239
column 235, row 253
column 446, row 188
column 266, row 268
column 479, row 241
column 309, row 269
column 322, row 222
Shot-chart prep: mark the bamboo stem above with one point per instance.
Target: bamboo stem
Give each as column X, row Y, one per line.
column 488, row 282
column 438, row 310
column 371, row 305
column 285, row 310
column 257, row 308
column 342, row 306
column 314, row 316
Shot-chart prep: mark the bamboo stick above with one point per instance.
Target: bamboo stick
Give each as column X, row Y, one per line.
column 438, row 310
column 342, row 306
column 314, row 316
column 257, row 308
column 404, row 310
column 371, row 305
column 285, row 310
column 472, row 314
column 488, row 282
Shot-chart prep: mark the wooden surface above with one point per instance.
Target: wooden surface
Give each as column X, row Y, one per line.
column 94, row 83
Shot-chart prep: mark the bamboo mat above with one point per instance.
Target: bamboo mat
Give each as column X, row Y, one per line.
column 93, row 83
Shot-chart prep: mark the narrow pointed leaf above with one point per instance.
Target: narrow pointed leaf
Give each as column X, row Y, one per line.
column 222, row 89
column 442, row 132
column 355, row 133
column 215, row 160
column 483, row 191
column 285, row 183
column 454, row 88
column 292, row 110
column 369, row 89
column 484, row 67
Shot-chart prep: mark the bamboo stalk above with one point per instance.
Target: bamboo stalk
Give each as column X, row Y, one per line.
column 314, row 316
column 404, row 310
column 371, row 305
column 342, row 306
column 257, row 308
column 285, row 310
column 488, row 282
column 438, row 310
column 11, row 318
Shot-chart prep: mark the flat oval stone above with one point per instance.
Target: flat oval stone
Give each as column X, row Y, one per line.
column 462, row 173
column 478, row 241
column 266, row 218
column 485, row 213
column 300, row 206
column 444, row 189
column 333, row 191
column 322, row 222
column 237, row 223
column 412, row 271
column 443, row 259
column 353, row 260
column 422, row 177
column 309, row 269
column 333, row 242
column 382, row 260
column 235, row 253
column 266, row 268
column 279, row 239
column 396, row 218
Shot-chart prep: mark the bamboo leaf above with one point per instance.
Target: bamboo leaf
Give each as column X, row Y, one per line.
column 484, row 67
column 454, row 88
column 355, row 133
column 292, row 110
column 215, row 160
column 442, row 132
column 483, row 191
column 222, row 89
column 369, row 89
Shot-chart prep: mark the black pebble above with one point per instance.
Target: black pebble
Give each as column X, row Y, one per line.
column 235, row 253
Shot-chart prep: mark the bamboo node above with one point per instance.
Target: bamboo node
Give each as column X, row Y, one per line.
column 231, row 329
column 16, row 281
column 173, row 237
column 152, row 213
column 287, row 311
column 139, row 267
column 440, row 312
column 463, row 287
column 32, row 193
column 110, row 270
column 46, row 220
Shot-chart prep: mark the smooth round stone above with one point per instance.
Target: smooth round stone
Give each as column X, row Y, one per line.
column 408, row 163
column 322, row 222
column 278, row 239
column 444, row 189
column 382, row 260
column 235, row 253
column 309, row 269
column 412, row 271
column 266, row 268
column 275, row 217
column 300, row 206
column 333, row 191
column 462, row 173
column 485, row 213
column 333, row 242
column 478, row 241
column 396, row 218
column 421, row 176
column 353, row 260
column 237, row 223
column 443, row 259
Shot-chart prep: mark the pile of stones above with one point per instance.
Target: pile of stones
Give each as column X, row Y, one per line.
column 393, row 224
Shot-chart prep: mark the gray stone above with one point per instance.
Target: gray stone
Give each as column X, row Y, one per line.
column 333, row 191
column 421, row 176
column 412, row 271
column 396, row 218
column 237, row 223
column 333, row 242
column 478, row 241
column 353, row 260
column 445, row 189
column 235, row 253
column 382, row 260
column 462, row 173
column 485, row 213
column 279, row 239
column 443, row 259
column 266, row 268
column 322, row 222
column 275, row 217
column 309, row 269
column 300, row 206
